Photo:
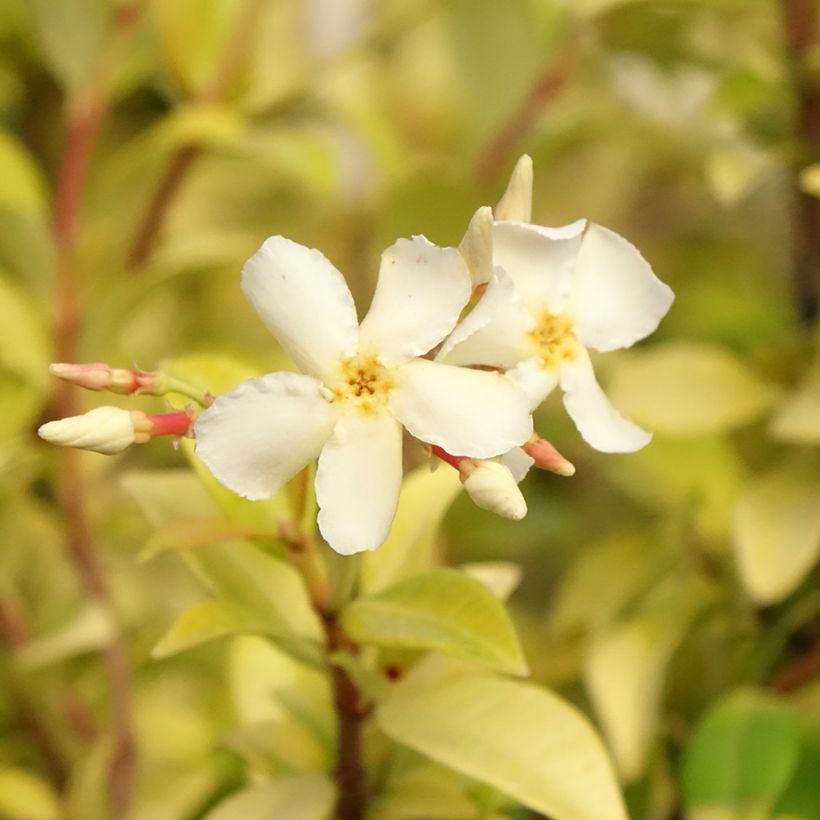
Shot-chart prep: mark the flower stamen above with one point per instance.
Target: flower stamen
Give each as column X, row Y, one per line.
column 554, row 339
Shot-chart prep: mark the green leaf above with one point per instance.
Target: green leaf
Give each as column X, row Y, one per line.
column 189, row 533
column 163, row 496
column 305, row 797
column 810, row 179
column 425, row 497
column 72, row 34
column 520, row 738
column 500, row 577
column 740, row 758
column 23, row 188
column 265, row 589
column 776, row 542
column 442, row 610
column 686, row 388
column 797, row 420
column 24, row 796
column 204, row 622
column 91, row 629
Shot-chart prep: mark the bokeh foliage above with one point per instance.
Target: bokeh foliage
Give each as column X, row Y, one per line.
column 671, row 594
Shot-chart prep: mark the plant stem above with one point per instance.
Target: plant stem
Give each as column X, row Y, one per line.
column 181, row 163
column 85, row 118
column 347, row 701
column 800, row 20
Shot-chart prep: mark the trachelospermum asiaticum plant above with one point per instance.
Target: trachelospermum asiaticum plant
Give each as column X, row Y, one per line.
column 464, row 386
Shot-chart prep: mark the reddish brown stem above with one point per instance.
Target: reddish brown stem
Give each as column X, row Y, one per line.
column 804, row 670
column 349, row 770
column 14, row 635
column 85, row 120
column 496, row 153
column 800, row 19
column 181, row 163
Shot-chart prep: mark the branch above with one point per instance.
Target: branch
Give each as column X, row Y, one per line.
column 800, row 21
column 498, row 149
column 183, row 160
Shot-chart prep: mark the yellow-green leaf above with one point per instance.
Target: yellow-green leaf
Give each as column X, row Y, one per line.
column 797, row 420
column 522, row 739
column 304, row 797
column 425, row 497
column 686, row 388
column 442, row 610
column 23, row 188
column 777, row 535
column 24, row 796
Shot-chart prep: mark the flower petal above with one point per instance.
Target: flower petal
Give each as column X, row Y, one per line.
column 518, row 463
column 494, row 331
column 260, row 434
column 534, row 380
column 420, row 293
column 540, row 261
column 358, row 481
column 305, row 302
column 616, row 298
column 467, row 412
column 477, row 245
column 600, row 424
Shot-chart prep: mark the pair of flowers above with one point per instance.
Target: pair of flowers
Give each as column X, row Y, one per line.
column 548, row 294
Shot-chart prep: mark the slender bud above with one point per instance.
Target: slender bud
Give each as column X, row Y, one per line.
column 492, row 487
column 516, row 203
column 477, row 246
column 547, row 457
column 106, row 430
column 99, row 376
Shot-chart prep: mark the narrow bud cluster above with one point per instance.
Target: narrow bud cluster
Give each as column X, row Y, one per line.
column 110, row 430
column 99, row 376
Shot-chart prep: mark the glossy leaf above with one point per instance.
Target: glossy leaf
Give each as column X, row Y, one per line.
column 687, row 388
column 777, row 535
column 306, row 797
column 740, row 758
column 441, row 610
column 520, row 738
column 425, row 497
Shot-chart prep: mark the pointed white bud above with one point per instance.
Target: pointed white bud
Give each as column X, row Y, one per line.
column 516, row 203
column 106, row 430
column 492, row 487
column 477, row 246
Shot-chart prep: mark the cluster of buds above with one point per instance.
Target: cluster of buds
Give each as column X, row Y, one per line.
column 110, row 430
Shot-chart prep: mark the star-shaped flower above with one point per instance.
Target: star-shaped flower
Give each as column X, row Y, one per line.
column 551, row 293
column 360, row 384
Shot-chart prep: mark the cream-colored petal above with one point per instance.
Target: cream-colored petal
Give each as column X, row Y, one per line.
column 305, row 302
column 358, row 481
column 516, row 202
column 518, row 463
column 419, row 296
column 539, row 260
column 477, row 246
column 534, row 380
column 494, row 332
column 260, row 434
column 467, row 412
column 615, row 297
column 598, row 422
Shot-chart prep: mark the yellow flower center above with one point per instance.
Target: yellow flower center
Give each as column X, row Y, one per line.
column 364, row 381
column 554, row 339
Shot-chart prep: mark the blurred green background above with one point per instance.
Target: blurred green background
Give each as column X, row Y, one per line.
column 147, row 149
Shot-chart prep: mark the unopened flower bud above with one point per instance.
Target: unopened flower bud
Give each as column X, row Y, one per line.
column 547, row 457
column 492, row 487
column 99, row 376
column 106, row 430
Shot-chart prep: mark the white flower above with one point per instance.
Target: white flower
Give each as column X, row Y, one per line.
column 553, row 293
column 361, row 384
column 106, row 430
